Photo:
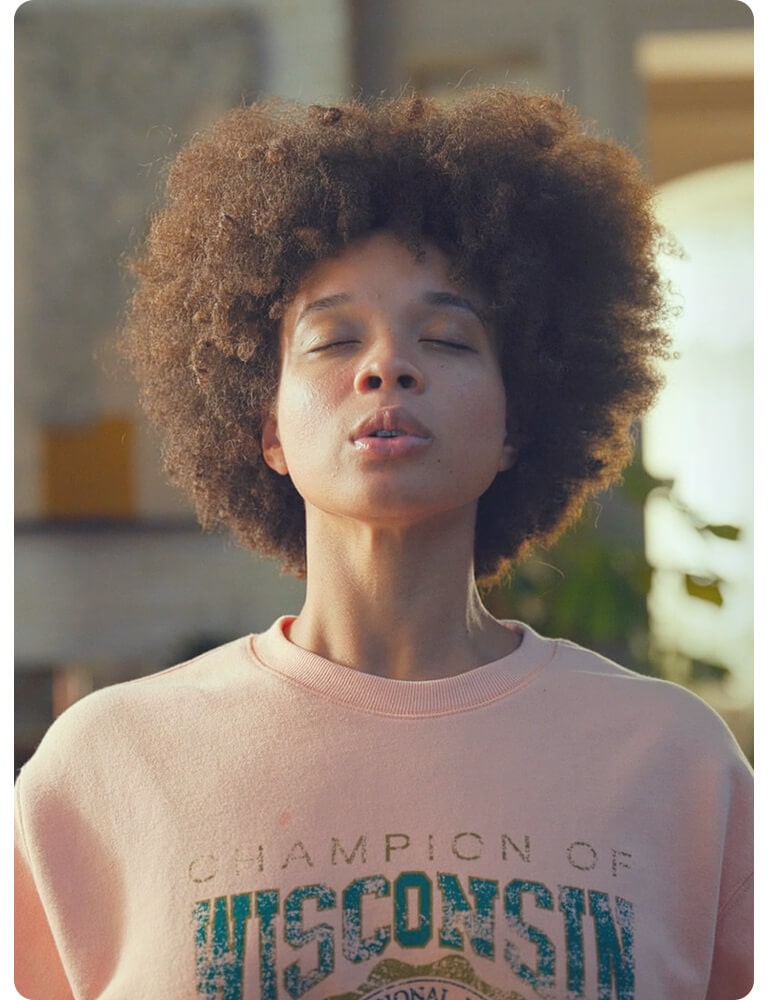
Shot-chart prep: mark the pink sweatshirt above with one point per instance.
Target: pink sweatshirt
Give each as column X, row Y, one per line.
column 263, row 824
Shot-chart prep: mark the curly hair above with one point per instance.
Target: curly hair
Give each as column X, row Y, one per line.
column 552, row 222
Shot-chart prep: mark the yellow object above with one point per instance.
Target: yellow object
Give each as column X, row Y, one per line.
column 88, row 470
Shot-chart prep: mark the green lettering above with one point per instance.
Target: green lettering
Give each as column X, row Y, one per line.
column 296, row 936
column 356, row 948
column 615, row 958
column 542, row 978
column 478, row 921
column 220, row 945
column 409, row 933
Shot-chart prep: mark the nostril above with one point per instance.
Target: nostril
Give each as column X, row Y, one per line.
column 373, row 382
column 406, row 381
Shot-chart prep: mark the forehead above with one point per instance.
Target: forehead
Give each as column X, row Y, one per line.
column 375, row 268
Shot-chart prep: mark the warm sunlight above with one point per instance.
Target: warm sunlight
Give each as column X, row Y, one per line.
column 698, row 440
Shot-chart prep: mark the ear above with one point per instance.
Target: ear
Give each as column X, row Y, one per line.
column 271, row 448
column 508, row 456
column 513, row 441
column 510, row 449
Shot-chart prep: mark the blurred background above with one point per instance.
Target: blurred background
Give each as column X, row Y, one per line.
column 113, row 577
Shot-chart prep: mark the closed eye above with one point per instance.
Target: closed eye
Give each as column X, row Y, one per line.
column 330, row 345
column 456, row 345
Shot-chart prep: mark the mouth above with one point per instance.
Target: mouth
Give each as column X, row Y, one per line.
column 390, row 432
column 390, row 422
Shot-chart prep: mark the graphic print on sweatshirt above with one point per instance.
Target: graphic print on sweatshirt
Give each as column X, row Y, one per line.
column 417, row 934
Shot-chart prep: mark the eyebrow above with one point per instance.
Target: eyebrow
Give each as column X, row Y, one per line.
column 453, row 300
column 327, row 302
column 430, row 298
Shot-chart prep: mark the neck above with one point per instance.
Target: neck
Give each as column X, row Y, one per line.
column 400, row 603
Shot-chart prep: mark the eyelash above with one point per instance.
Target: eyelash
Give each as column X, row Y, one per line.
column 455, row 344
column 333, row 343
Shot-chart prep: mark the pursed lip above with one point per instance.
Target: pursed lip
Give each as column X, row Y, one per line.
column 390, row 418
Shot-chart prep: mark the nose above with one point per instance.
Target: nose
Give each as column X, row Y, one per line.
column 388, row 368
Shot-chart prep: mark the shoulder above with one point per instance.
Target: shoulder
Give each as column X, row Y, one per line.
column 117, row 718
column 634, row 707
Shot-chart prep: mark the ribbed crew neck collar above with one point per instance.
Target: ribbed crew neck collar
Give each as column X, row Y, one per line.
column 385, row 696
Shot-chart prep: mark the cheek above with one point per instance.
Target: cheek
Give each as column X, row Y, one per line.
column 305, row 418
column 484, row 430
column 486, row 410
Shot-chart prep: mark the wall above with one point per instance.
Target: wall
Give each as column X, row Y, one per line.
column 107, row 91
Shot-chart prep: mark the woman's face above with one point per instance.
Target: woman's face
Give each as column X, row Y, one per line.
column 391, row 406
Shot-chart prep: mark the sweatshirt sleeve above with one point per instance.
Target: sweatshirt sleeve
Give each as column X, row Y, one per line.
column 732, row 972
column 39, row 974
